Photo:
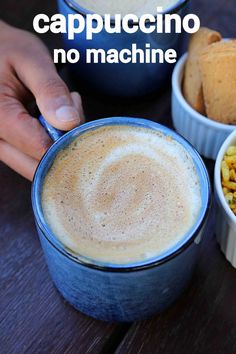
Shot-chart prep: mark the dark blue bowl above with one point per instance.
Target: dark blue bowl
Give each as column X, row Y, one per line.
column 122, row 79
column 120, row 292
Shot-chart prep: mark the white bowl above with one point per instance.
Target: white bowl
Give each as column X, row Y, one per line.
column 204, row 134
column 225, row 218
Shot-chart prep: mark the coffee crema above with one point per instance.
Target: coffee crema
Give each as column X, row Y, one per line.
column 137, row 7
column 121, row 194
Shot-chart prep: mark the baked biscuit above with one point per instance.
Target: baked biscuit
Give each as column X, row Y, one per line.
column 217, row 65
column 192, row 85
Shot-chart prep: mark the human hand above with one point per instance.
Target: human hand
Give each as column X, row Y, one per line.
column 27, row 72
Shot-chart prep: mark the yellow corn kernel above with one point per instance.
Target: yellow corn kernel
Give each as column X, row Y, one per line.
column 225, row 171
column 231, row 150
column 226, row 191
column 230, row 160
column 230, row 185
column 229, row 198
column 232, row 175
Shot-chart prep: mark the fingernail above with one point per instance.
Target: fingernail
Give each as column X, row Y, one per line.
column 67, row 113
column 76, row 99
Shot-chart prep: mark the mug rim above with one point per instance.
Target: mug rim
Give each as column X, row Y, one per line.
column 164, row 257
column 83, row 11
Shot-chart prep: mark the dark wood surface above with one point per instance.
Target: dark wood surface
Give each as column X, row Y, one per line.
column 35, row 319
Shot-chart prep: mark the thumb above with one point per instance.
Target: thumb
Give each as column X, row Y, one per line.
column 59, row 107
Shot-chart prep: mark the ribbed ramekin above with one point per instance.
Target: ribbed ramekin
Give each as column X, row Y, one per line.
column 225, row 218
column 204, row 134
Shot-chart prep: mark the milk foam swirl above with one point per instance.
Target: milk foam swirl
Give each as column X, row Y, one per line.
column 121, row 194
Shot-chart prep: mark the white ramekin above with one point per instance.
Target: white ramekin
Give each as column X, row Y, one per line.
column 204, row 134
column 225, row 218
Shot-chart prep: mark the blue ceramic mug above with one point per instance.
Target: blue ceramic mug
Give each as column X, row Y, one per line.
column 120, row 292
column 122, row 79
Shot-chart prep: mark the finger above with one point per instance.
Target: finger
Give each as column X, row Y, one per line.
column 19, row 162
column 78, row 104
column 19, row 129
column 53, row 98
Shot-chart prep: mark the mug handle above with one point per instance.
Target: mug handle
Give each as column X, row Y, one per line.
column 54, row 133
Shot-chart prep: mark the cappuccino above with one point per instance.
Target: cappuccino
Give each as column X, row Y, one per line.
column 121, row 194
column 137, row 7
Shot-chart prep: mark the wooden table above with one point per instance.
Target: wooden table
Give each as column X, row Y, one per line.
column 33, row 316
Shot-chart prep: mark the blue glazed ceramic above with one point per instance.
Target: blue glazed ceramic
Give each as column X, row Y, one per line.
column 120, row 292
column 122, row 79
